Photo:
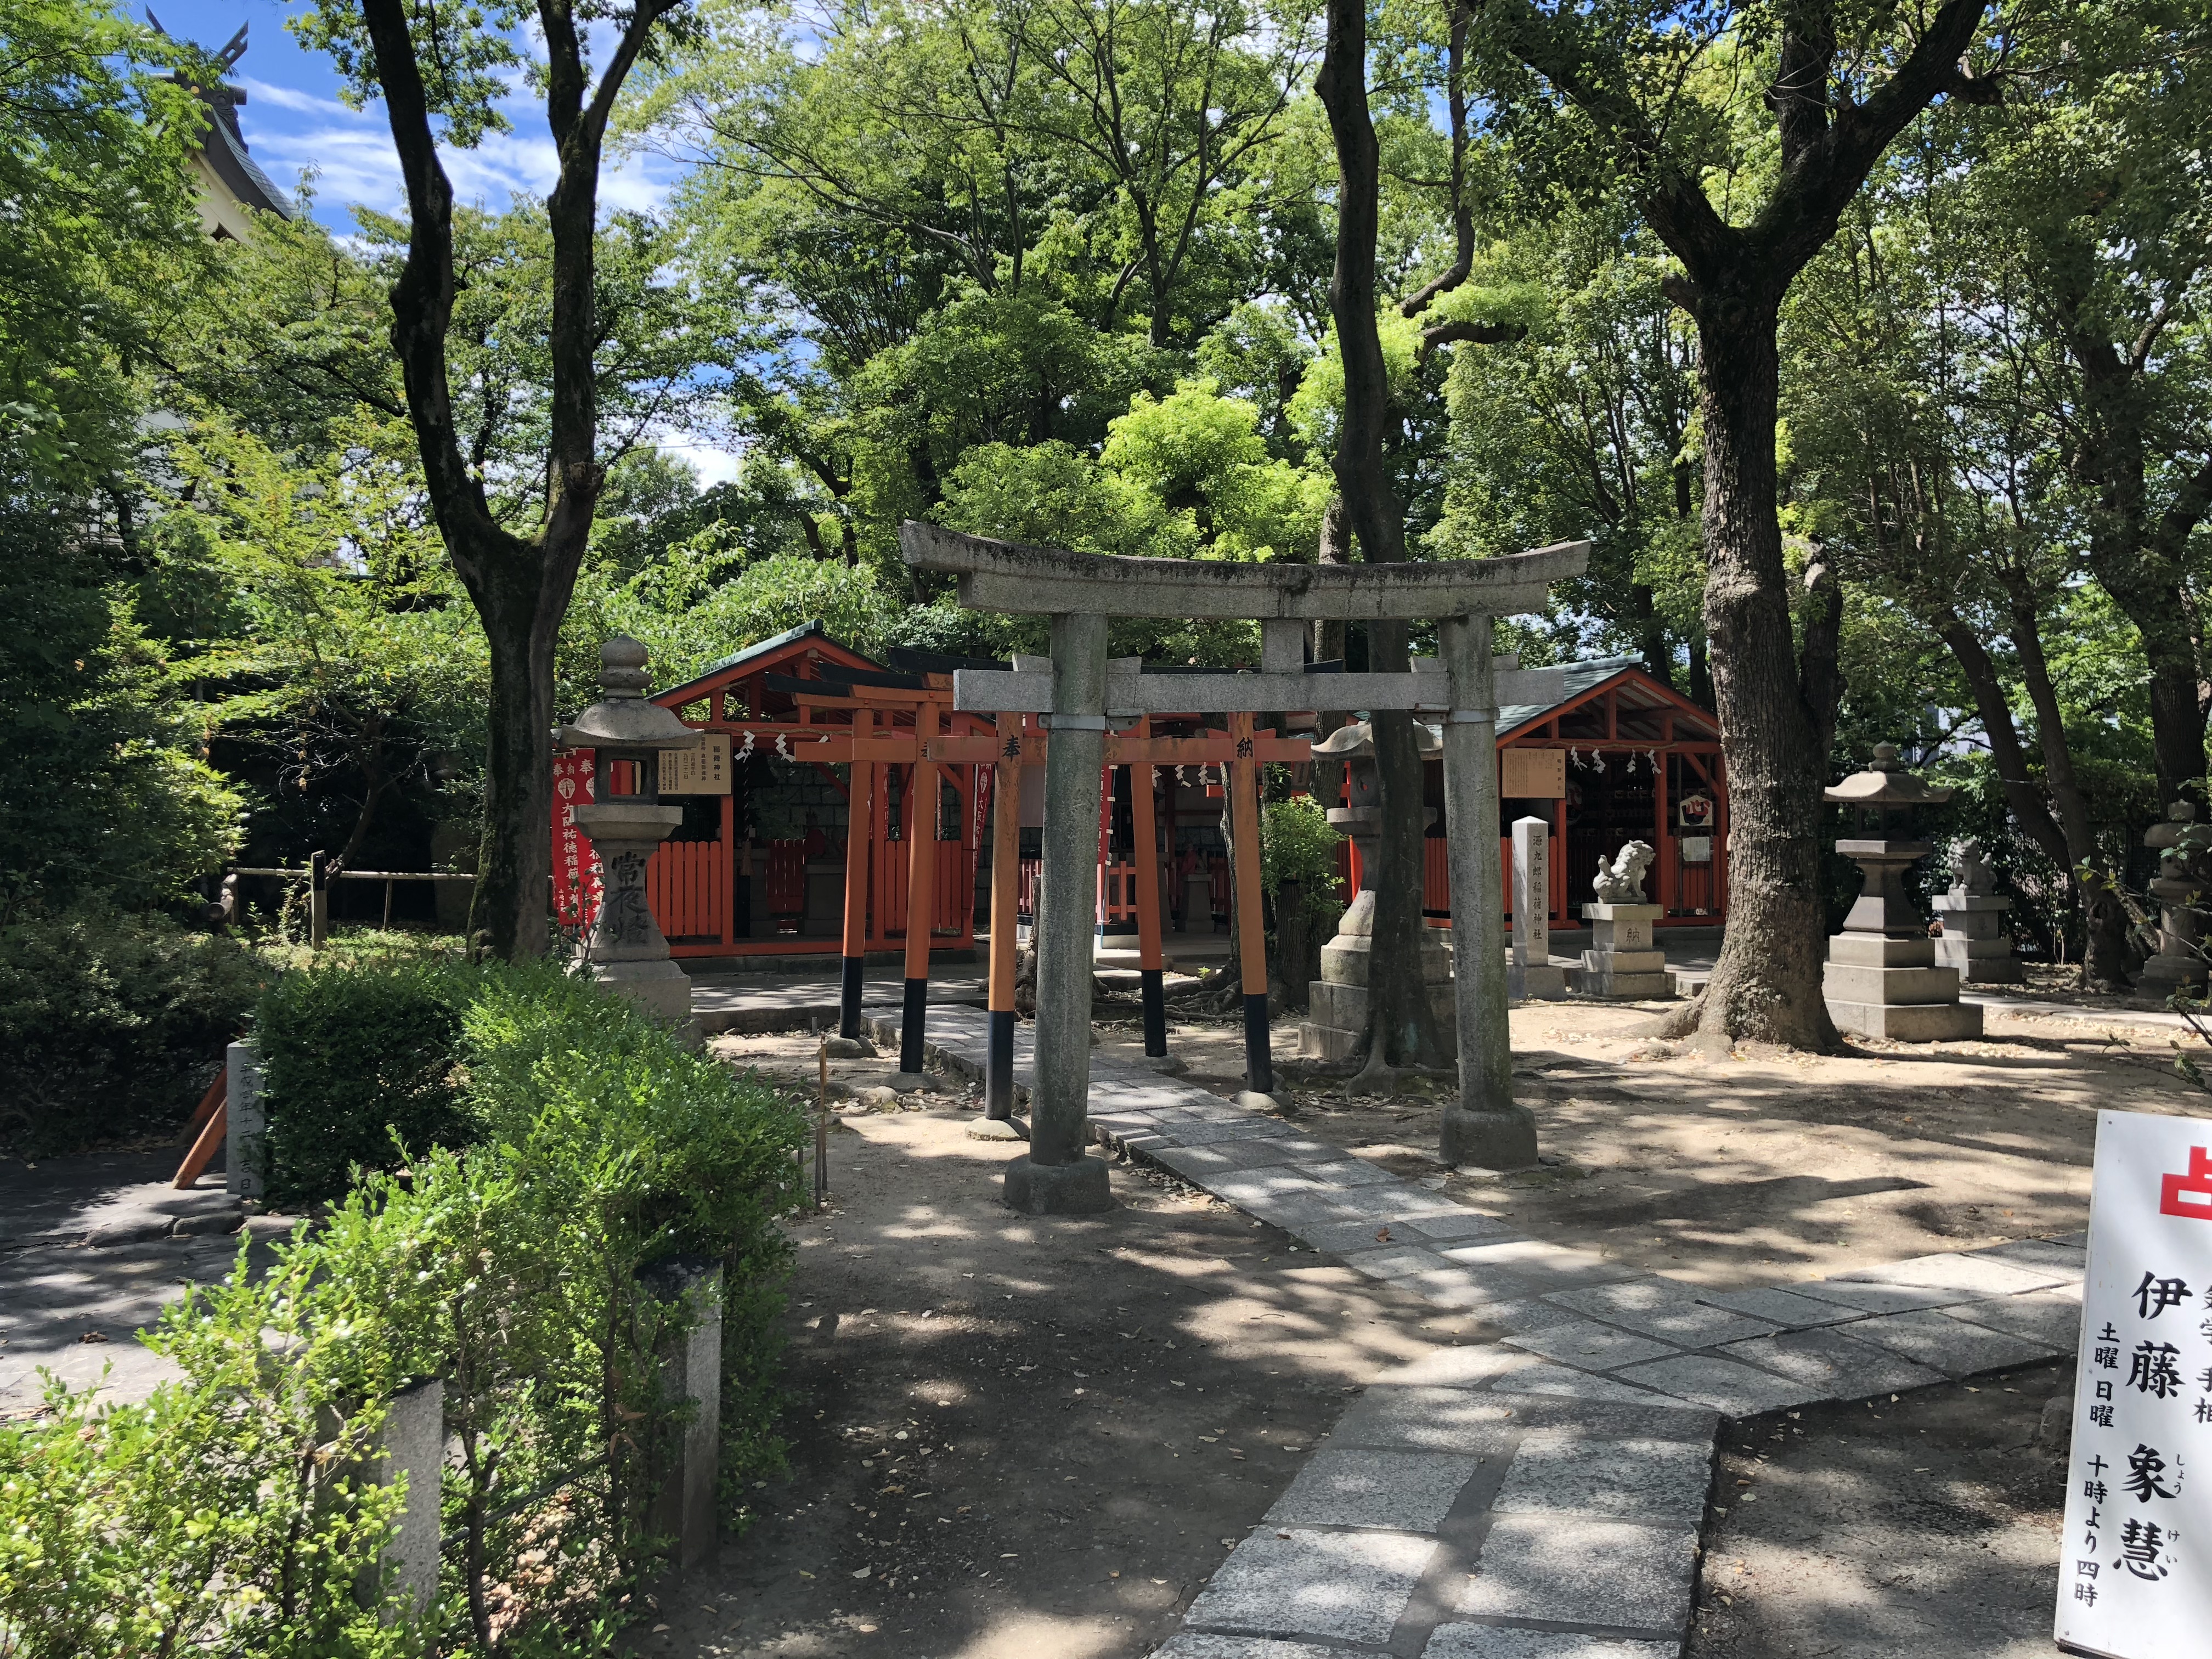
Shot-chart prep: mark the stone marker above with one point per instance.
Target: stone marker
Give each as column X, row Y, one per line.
column 246, row 1123
column 1882, row 979
column 1531, row 974
column 1974, row 941
column 1624, row 962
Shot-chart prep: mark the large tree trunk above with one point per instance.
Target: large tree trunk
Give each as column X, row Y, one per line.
column 1766, row 983
column 1403, row 1029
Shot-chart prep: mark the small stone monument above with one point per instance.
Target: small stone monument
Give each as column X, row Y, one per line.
column 1530, row 973
column 1337, row 1001
column 1623, row 963
column 1974, row 941
column 1882, row 979
column 625, row 950
column 2184, row 877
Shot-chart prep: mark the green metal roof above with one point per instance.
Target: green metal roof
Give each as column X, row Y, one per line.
column 1582, row 679
column 755, row 651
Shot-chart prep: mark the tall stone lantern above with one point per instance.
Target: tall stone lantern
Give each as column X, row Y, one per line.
column 1882, row 979
column 626, row 951
column 2184, row 877
column 1337, row 1000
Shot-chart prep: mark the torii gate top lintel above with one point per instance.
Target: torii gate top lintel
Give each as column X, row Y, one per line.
column 1018, row 577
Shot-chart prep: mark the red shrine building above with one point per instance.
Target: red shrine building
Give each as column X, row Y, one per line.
column 757, row 867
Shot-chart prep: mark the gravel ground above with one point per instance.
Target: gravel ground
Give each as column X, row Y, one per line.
column 1920, row 1528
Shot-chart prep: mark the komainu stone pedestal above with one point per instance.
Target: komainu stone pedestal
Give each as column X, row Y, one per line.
column 1974, row 942
column 1623, row 962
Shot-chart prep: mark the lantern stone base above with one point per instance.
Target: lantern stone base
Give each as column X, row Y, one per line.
column 661, row 988
column 1337, row 1018
column 1888, row 986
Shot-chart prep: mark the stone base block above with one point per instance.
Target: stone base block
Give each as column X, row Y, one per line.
column 1880, row 951
column 843, row 1048
column 1971, row 924
column 1077, row 1189
column 1503, row 1138
column 1926, row 1021
column 1624, row 962
column 1326, row 1042
column 661, row 988
column 993, row 1129
column 1907, row 986
column 1991, row 969
column 1339, row 1016
column 1344, row 958
column 1537, row 982
column 1623, row 911
column 1625, row 987
column 2170, row 974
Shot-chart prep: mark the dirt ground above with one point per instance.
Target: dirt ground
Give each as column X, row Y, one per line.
column 1772, row 1166
column 1925, row 1529
column 1014, row 1439
column 1095, row 1409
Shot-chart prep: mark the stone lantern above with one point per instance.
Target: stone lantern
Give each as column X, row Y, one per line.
column 626, row 951
column 1882, row 979
column 1337, row 1000
column 2184, row 877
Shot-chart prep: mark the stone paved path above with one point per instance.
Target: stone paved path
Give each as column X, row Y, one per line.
column 1542, row 1496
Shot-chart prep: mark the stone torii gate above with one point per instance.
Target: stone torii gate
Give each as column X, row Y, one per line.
column 1079, row 591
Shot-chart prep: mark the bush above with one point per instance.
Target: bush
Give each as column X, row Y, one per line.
column 352, row 1057
column 225, row 1515
column 114, row 1025
column 517, row 1268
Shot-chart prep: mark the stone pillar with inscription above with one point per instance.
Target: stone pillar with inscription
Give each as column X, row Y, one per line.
column 1530, row 974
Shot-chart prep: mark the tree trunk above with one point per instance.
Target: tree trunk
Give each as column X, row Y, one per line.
column 1402, row 1025
column 1766, row 984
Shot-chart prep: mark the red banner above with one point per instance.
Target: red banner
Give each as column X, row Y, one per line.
column 575, row 866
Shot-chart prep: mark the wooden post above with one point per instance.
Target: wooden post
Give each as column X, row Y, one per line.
column 319, row 900
column 1251, row 923
column 1150, row 965
column 860, row 794
column 1006, row 904
column 920, row 901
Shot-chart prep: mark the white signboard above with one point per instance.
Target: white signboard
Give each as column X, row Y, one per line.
column 701, row 771
column 2135, row 1558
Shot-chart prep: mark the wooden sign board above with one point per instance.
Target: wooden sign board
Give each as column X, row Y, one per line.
column 1532, row 774
column 701, row 771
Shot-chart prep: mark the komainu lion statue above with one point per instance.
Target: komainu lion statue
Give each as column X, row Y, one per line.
column 1621, row 882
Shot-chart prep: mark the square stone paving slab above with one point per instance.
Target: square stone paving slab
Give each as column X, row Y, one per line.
column 1837, row 1365
column 1787, row 1309
column 1427, row 1418
column 1455, row 1286
column 1590, row 1345
column 1541, row 1266
column 1977, row 1275
column 1393, row 1261
column 2055, row 1253
column 1451, row 1227
column 1354, row 1586
column 1201, row 1133
column 1400, row 1491
column 1343, row 1237
column 1664, row 1309
column 1535, row 1313
column 1348, row 1172
column 1952, row 1345
column 1541, row 1377
column 1500, row 1642
column 1197, row 1645
column 1575, row 1570
column 2051, row 1316
column 1879, row 1298
column 1663, row 1482
column 1728, row 1385
column 1222, row 1157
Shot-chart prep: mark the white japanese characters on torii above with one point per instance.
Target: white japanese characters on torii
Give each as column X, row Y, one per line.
column 1082, row 691
column 2135, row 1567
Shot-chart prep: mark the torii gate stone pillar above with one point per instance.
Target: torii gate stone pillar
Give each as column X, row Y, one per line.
column 1485, row 1125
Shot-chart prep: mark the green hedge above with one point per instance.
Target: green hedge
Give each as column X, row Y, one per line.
column 352, row 1058
column 592, row 1147
column 114, row 1025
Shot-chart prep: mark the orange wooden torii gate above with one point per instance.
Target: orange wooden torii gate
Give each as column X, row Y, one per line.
column 1238, row 750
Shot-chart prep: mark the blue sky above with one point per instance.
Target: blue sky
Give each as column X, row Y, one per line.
column 293, row 120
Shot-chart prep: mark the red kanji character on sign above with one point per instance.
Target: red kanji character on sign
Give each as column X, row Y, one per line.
column 2198, row 1180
